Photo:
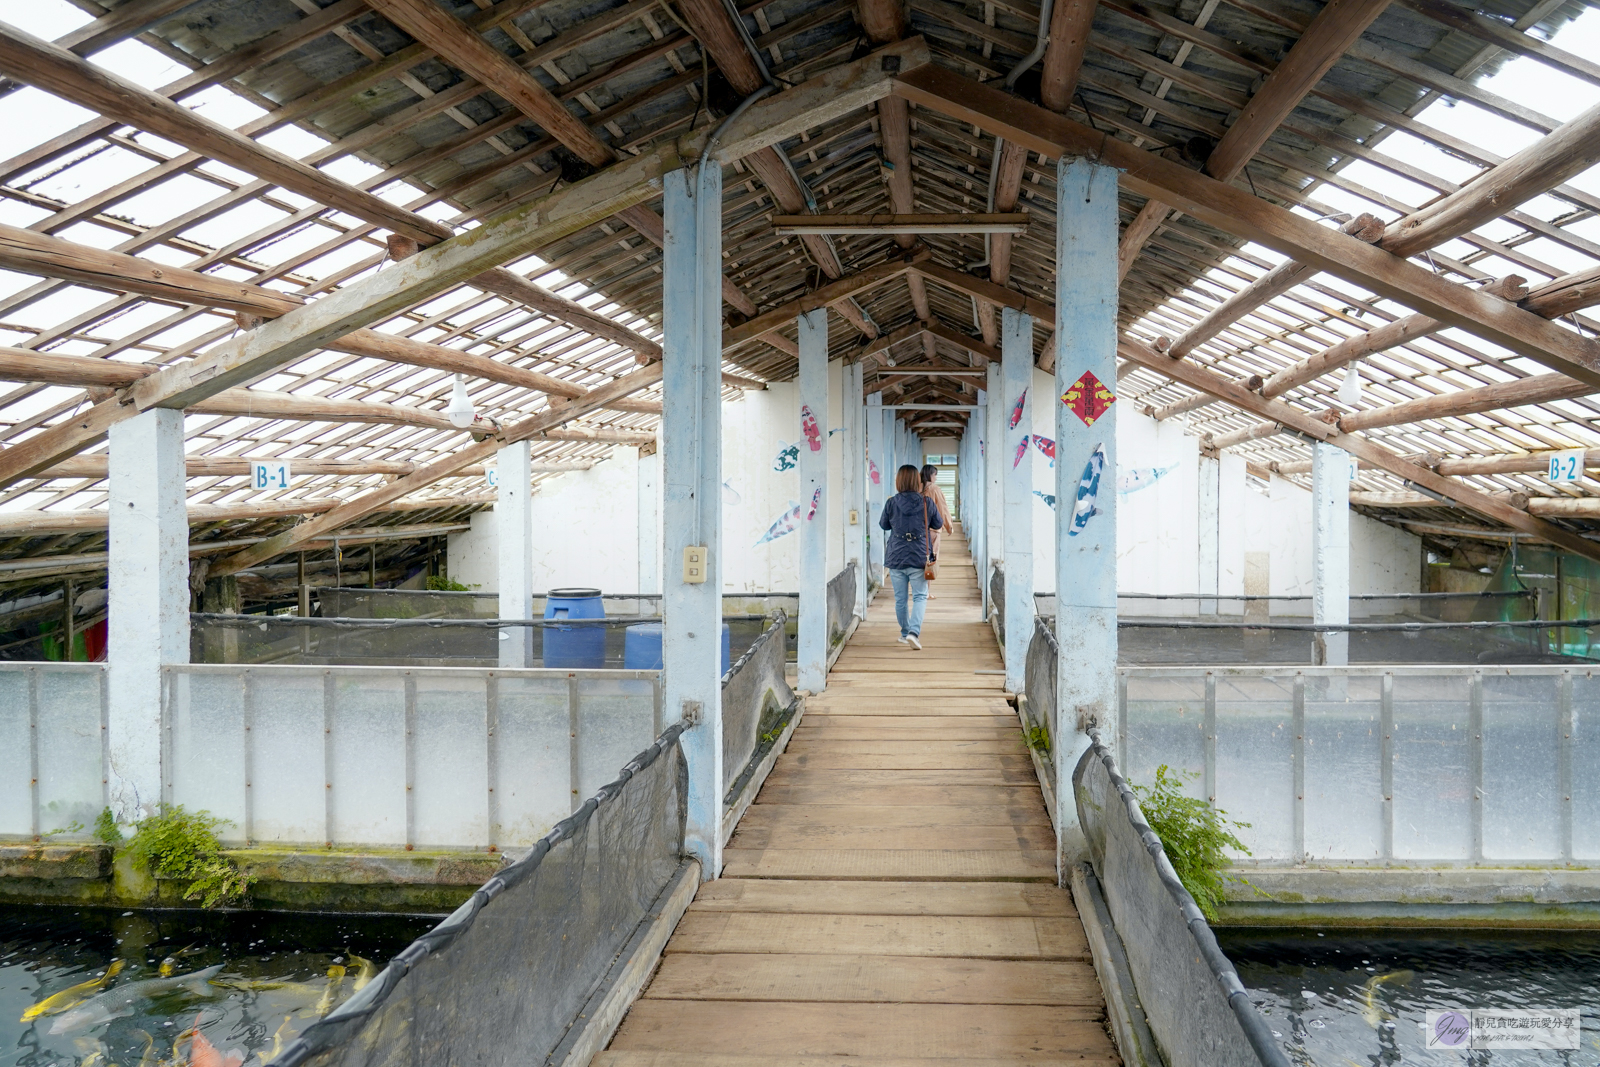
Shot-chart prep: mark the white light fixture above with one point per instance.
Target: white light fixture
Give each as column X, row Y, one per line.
column 1350, row 388
column 461, row 411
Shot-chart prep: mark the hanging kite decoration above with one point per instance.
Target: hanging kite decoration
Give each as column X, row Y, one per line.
column 1022, row 450
column 816, row 502
column 788, row 457
column 809, row 427
column 1142, row 478
column 1088, row 398
column 1088, row 491
column 1016, row 409
column 787, row 523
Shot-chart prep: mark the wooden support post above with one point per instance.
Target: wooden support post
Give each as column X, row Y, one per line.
column 513, row 521
column 1016, row 362
column 1330, row 551
column 1086, row 479
column 691, row 472
column 812, row 664
column 148, row 600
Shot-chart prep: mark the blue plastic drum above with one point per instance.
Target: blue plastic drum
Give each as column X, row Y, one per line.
column 641, row 649
column 574, row 647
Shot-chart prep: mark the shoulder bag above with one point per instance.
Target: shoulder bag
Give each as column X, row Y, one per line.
column 930, row 569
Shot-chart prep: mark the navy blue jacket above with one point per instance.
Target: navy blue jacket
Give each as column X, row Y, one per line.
column 907, row 543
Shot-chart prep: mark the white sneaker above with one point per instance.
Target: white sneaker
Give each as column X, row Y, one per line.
column 903, row 639
column 911, row 639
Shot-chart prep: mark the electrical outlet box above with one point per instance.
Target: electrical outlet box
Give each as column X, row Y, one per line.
column 855, row 517
column 694, row 564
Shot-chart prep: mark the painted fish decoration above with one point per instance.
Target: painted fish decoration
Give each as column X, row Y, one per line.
column 1022, row 450
column 787, row 523
column 119, row 1001
column 730, row 495
column 788, row 457
column 72, row 996
column 1016, row 409
column 1046, row 446
column 834, row 431
column 872, row 471
column 1048, row 498
column 816, row 502
column 809, row 427
column 1144, row 477
column 1088, row 491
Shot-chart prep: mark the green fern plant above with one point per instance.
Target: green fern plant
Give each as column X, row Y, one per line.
column 105, row 828
column 183, row 845
column 1194, row 833
column 1038, row 738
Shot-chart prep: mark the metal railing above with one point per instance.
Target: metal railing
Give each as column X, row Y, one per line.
column 54, row 751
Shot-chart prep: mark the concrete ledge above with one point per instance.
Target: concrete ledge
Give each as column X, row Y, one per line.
column 1440, row 896
column 747, row 796
column 54, row 861
column 1124, row 1013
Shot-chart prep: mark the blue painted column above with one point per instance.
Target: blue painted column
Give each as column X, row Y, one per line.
column 513, row 527
column 994, row 447
column 1086, row 477
column 1016, row 352
column 855, row 478
column 812, row 659
column 691, row 471
column 1330, row 553
column 877, row 493
column 973, row 517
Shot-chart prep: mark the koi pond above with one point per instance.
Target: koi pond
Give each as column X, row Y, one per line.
column 88, row 987
column 1347, row 998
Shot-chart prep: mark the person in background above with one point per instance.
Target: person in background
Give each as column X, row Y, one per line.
column 935, row 495
column 908, row 517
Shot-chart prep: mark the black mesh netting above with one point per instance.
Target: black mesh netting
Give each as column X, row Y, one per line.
column 841, row 602
column 504, row 977
column 1039, row 681
column 756, row 701
column 997, row 601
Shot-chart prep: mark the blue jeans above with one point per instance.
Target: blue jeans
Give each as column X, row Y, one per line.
column 909, row 580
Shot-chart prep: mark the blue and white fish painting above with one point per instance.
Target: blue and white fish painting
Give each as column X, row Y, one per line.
column 1141, row 478
column 730, row 495
column 787, row 523
column 1048, row 498
column 1088, row 491
column 788, row 457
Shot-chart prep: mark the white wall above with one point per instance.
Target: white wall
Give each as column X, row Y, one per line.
column 471, row 554
column 1158, row 523
column 755, row 495
column 1382, row 558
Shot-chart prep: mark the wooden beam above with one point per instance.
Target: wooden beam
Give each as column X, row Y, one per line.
column 882, row 20
column 129, row 20
column 1070, row 24
column 1553, row 507
column 34, row 523
column 983, row 289
column 94, row 467
column 1237, row 212
column 889, row 223
column 1287, row 415
column 1564, row 295
column 784, row 314
column 1536, row 389
column 939, row 331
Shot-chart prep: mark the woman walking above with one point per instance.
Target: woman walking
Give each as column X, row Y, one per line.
column 909, row 518
column 935, row 495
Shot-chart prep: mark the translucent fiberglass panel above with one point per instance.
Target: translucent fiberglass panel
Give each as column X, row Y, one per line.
column 16, row 758
column 616, row 721
column 1585, row 755
column 1164, row 723
column 1521, row 766
column 288, row 773
column 532, row 757
column 1432, row 766
column 71, row 772
column 206, row 710
column 1344, row 766
column 367, row 754
column 450, row 736
column 1255, row 760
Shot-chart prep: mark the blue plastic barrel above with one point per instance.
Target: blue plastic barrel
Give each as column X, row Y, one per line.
column 573, row 647
column 641, row 649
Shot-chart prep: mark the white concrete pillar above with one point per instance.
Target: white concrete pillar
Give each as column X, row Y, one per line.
column 1086, row 478
column 855, row 479
column 994, row 447
column 691, row 473
column 513, row 526
column 650, row 519
column 880, row 479
column 1209, row 547
column 812, row 654
column 148, row 599
column 1016, row 350
column 1330, row 552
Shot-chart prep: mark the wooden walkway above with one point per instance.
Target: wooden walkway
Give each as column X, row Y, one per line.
column 890, row 898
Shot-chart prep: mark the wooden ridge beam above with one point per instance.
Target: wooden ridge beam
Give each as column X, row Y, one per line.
column 96, row 466
column 1536, row 389
column 1071, row 22
column 888, row 223
column 1232, row 210
column 1287, row 415
column 34, row 522
column 824, row 296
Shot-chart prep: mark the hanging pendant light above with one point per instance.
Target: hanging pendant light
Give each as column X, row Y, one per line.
column 462, row 413
column 1350, row 388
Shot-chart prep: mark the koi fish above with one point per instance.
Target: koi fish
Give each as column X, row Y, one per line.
column 786, row 524
column 1088, row 491
column 788, row 457
column 1136, row 480
column 330, row 994
column 118, row 1002
column 72, row 996
column 872, row 472
column 1048, row 498
column 1016, row 409
column 368, row 971
column 277, row 1041
column 203, row 1053
column 816, row 502
column 809, row 427
column 1022, row 450
column 1046, row 447
column 1370, row 1010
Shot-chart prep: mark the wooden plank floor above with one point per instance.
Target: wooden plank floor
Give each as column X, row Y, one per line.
column 890, row 898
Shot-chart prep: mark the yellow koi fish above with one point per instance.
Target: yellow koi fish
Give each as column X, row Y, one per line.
column 72, row 995
column 1370, row 1010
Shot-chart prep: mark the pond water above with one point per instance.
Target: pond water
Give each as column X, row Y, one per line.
column 247, row 982
column 1358, row 998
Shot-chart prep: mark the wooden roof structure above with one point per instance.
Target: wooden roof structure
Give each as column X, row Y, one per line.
column 289, row 217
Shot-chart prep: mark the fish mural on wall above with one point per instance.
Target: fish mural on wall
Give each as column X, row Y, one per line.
column 1048, row 498
column 809, row 427
column 1141, row 478
column 872, row 472
column 786, row 523
column 816, row 502
column 1046, row 447
column 1022, row 450
column 1088, row 491
column 730, row 495
column 788, row 457
column 1016, row 409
